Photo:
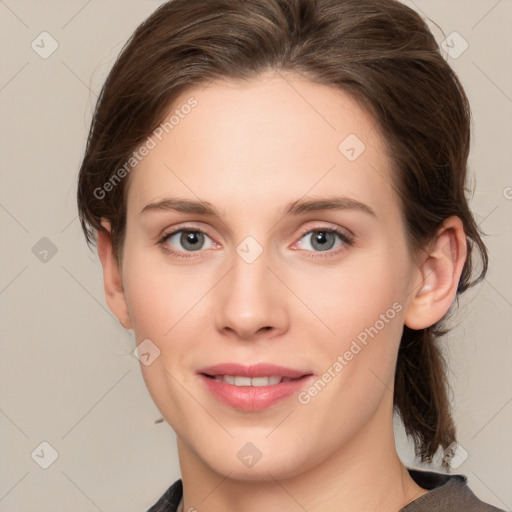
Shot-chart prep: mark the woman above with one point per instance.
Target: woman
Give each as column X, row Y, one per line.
column 276, row 190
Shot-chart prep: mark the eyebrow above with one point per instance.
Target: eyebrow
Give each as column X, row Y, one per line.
column 298, row 207
column 302, row 206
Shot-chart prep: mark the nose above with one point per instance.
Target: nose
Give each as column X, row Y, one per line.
column 251, row 302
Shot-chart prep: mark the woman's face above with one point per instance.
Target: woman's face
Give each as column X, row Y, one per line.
column 265, row 279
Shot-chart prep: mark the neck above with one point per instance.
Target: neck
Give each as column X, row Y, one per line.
column 364, row 474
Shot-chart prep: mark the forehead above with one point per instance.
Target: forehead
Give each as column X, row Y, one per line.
column 270, row 140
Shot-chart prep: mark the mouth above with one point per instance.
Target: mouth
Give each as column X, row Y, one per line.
column 253, row 388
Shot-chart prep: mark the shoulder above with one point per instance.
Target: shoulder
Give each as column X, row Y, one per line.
column 446, row 493
column 170, row 500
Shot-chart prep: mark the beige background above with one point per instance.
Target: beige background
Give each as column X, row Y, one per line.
column 68, row 376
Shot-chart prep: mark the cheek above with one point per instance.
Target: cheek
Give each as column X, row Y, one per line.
column 149, row 300
column 358, row 361
column 363, row 304
column 360, row 295
column 158, row 295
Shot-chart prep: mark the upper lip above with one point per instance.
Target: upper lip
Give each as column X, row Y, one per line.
column 256, row 370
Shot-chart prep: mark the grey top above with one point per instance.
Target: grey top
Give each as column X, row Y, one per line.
column 446, row 493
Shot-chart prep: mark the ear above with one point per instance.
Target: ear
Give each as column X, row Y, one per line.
column 438, row 275
column 112, row 277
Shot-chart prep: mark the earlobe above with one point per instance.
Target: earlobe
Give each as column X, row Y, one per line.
column 438, row 276
column 112, row 277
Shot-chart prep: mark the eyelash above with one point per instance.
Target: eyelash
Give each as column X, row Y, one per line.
column 346, row 239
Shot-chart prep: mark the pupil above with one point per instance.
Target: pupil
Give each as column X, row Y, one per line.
column 321, row 238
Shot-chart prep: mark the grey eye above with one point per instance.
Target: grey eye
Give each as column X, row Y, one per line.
column 188, row 240
column 321, row 240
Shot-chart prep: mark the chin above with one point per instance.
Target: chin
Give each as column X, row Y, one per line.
column 262, row 471
column 245, row 462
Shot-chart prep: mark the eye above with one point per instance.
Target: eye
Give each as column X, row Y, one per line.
column 324, row 240
column 185, row 240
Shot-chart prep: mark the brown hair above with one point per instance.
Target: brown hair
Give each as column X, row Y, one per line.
column 379, row 51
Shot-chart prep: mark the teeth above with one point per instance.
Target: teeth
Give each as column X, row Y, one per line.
column 247, row 381
column 242, row 381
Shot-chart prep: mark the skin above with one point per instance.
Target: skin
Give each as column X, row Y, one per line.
column 249, row 149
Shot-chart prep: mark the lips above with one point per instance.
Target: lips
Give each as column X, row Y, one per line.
column 253, row 388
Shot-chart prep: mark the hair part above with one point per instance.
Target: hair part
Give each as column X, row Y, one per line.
column 381, row 53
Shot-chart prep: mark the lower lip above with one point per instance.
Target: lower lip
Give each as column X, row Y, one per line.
column 253, row 398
